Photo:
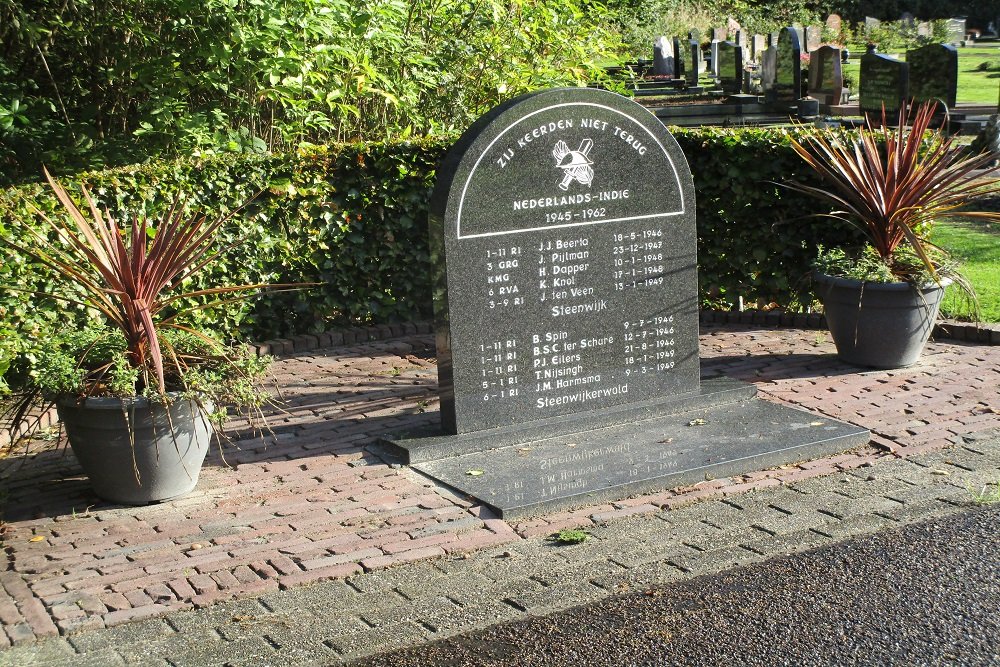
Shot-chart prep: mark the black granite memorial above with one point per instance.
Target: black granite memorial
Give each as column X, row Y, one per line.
column 934, row 73
column 787, row 88
column 731, row 68
column 564, row 245
column 678, row 45
column 884, row 84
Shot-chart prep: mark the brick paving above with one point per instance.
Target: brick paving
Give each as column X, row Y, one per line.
column 307, row 503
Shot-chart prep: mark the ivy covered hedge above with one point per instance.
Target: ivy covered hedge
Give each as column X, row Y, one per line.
column 353, row 218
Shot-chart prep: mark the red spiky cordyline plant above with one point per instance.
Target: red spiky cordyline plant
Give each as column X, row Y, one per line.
column 895, row 183
column 131, row 275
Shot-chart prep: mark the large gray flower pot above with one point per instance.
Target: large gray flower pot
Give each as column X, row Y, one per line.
column 881, row 325
column 134, row 451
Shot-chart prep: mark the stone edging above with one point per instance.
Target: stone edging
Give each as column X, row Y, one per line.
column 985, row 334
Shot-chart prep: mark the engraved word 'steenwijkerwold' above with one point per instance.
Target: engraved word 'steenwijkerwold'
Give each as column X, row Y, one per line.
column 576, row 165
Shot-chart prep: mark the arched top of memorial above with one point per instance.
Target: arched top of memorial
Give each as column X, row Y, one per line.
column 552, row 151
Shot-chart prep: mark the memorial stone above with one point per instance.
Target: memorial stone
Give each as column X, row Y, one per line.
column 956, row 31
column 871, row 23
column 678, row 46
column 566, row 313
column 884, row 83
column 788, row 68
column 908, row 20
column 663, row 57
column 695, row 66
column 934, row 73
column 731, row 68
column 814, row 38
column 768, row 68
column 694, row 35
column 718, row 34
column 772, row 38
column 713, row 53
column 757, row 46
column 925, row 30
column 733, row 26
column 826, row 78
column 741, row 40
column 835, row 24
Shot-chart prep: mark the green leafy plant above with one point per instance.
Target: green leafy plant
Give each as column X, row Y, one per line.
column 894, row 183
column 571, row 536
column 132, row 279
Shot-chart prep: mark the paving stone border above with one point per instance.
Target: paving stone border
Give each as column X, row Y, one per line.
column 365, row 614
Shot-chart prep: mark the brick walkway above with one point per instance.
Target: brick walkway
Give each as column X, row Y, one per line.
column 307, row 503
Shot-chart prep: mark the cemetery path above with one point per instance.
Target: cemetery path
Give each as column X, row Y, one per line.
column 308, row 543
column 922, row 594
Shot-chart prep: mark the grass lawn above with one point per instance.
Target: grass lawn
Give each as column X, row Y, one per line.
column 974, row 86
column 977, row 244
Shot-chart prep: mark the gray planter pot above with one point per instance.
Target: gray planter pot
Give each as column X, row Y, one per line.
column 881, row 325
column 114, row 438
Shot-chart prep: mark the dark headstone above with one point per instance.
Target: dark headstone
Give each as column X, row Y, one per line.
column 663, row 57
column 678, row 46
column 557, row 259
column 908, row 20
column 731, row 68
column 934, row 73
column 566, row 309
column 694, row 62
column 694, row 35
column 713, row 54
column 788, row 68
column 884, row 83
column 826, row 78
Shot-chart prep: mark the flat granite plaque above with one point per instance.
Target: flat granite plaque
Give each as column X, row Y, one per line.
column 563, row 241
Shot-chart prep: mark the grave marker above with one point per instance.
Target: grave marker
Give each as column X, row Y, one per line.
column 884, row 82
column 768, row 68
column 757, row 46
column 788, row 68
column 826, row 78
column 663, row 57
column 834, row 24
column 678, row 46
column 731, row 68
column 956, row 31
column 934, row 73
column 814, row 38
column 566, row 309
column 696, row 66
column 713, row 52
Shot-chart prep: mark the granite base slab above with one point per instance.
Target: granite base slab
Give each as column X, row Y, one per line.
column 430, row 444
column 662, row 452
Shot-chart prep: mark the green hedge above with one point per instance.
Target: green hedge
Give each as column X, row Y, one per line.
column 352, row 217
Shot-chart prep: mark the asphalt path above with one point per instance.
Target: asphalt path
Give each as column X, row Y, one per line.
column 924, row 594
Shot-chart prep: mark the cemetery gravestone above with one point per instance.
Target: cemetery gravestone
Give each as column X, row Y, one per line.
column 663, row 57
column 884, row 83
column 678, row 47
column 788, row 68
column 956, row 31
column 768, row 68
column 757, row 46
column 695, row 63
column 694, row 35
column 814, row 38
column 834, row 24
column 908, row 20
column 826, row 78
column 871, row 24
column 731, row 68
column 714, row 55
column 934, row 73
column 718, row 34
column 772, row 38
column 566, row 309
column 924, row 29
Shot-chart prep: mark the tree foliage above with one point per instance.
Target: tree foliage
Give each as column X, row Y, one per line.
column 92, row 82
